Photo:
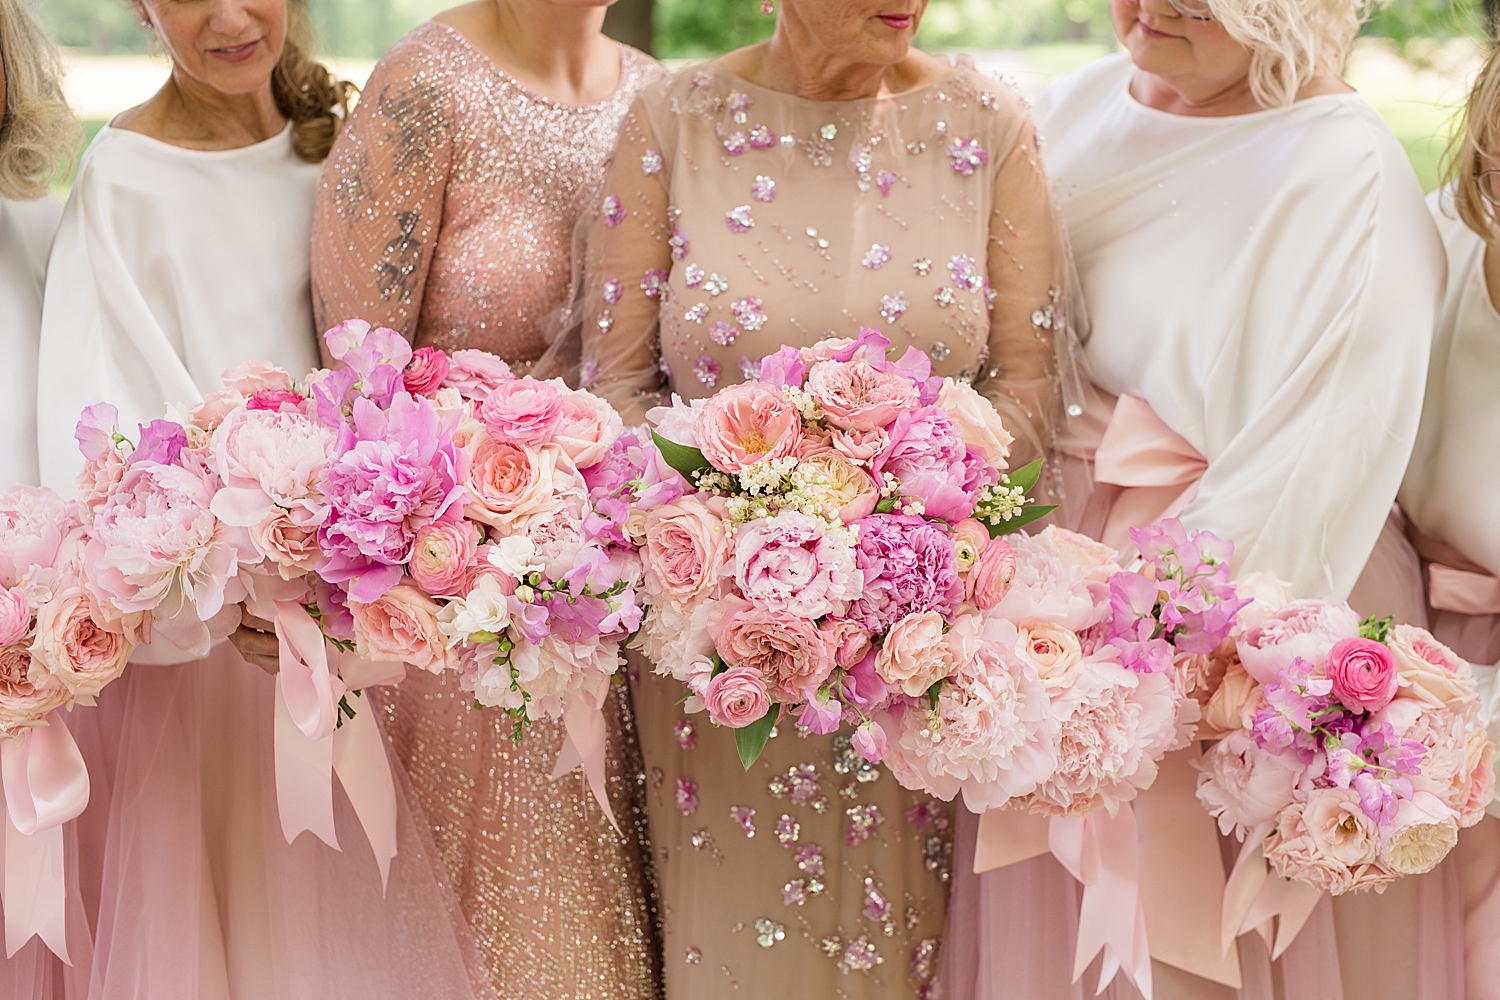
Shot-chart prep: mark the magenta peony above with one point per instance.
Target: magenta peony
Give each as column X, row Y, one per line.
column 908, row 565
column 927, row 455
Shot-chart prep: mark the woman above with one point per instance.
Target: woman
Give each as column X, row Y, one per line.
column 182, row 251
column 1448, row 497
column 828, row 179
column 1261, row 278
column 447, row 211
column 37, row 134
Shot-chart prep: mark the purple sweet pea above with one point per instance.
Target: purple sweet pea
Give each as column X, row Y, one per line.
column 161, row 441
column 822, row 714
column 783, row 368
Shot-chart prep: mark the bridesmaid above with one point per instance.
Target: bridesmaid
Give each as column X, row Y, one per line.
column 1451, row 485
column 182, row 252
column 447, row 212
column 1262, row 281
column 37, row 135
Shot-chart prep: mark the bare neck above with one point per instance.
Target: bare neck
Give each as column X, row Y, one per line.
column 555, row 49
column 188, row 113
column 1215, row 99
column 792, row 61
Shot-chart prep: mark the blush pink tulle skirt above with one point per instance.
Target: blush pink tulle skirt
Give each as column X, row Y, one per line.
column 192, row 893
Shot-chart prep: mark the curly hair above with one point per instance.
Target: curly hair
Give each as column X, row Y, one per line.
column 1290, row 40
column 38, row 132
column 316, row 102
column 1477, row 137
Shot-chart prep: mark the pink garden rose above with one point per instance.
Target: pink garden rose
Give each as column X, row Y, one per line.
column 442, row 555
column 978, row 422
column 687, row 551
column 589, row 426
column 859, row 397
column 291, row 547
column 788, row 652
column 917, row 653
column 1481, row 780
column 745, row 424
column 987, row 584
column 1421, row 836
column 425, row 372
column 851, row 493
column 1245, row 786
column 401, row 626
column 849, row 642
column 1294, row 853
column 859, row 446
column 1051, row 650
column 522, row 412
column 1303, row 628
column 1429, row 671
column 509, row 487
column 75, row 648
column 27, row 692
column 15, row 616
column 1363, row 673
column 736, row 698
column 1233, row 703
column 476, row 374
column 792, row 563
column 1339, row 827
column 252, row 377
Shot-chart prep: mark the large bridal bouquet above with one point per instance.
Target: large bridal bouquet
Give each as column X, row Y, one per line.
column 813, row 539
column 1351, row 753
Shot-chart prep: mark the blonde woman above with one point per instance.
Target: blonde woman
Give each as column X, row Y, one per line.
column 1262, row 278
column 1451, row 486
column 183, row 251
column 38, row 133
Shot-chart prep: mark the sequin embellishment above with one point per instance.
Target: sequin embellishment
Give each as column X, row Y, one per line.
column 747, row 313
column 680, row 244
column 723, row 333
column 863, row 819
column 613, row 290
column 763, row 188
column 716, row 285
column 735, row 143
column 828, row 132
column 893, row 307
column 967, row 156
column 877, row 257
column 692, row 956
column 739, row 219
column 692, row 276
column 885, row 179
column 794, row 893
column 614, row 211
column 862, row 955
column 706, row 370
column 749, row 369
column 923, row 266
column 787, row 830
column 762, row 137
column 745, row 817
column 809, row 858
column 687, row 796
column 654, row 283
column 696, row 313
column 650, row 162
column 939, row 351
column 768, row 932
column 686, row 732
column 966, row 273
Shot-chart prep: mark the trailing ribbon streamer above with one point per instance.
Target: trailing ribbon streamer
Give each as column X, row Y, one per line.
column 583, row 718
column 46, row 784
column 1158, row 468
column 1252, row 898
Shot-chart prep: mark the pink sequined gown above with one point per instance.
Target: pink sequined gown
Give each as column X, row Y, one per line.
column 447, row 211
column 735, row 219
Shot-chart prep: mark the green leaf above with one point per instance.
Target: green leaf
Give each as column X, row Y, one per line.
column 719, row 666
column 1027, row 475
column 886, row 505
column 681, row 457
column 751, row 740
column 1377, row 629
column 1021, row 520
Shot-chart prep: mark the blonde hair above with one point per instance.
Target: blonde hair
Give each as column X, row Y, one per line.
column 38, row 133
column 1478, row 133
column 1290, row 40
column 316, row 102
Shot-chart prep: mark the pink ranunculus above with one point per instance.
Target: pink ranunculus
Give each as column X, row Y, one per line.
column 74, row 647
column 869, row 741
column 745, row 424
column 736, row 698
column 792, row 563
column 425, row 372
column 978, row 422
column 1339, row 826
column 589, row 426
column 401, row 626
column 291, row 547
column 856, row 396
column 970, row 539
column 848, row 641
column 860, row 446
column 523, row 412
column 1363, row 673
column 27, row 691
column 1429, row 671
column 991, row 577
column 687, row 550
column 790, row 653
column 442, row 555
column 1306, row 628
column 476, row 374
column 917, row 653
column 927, row 455
column 276, row 400
column 1245, row 786
column 15, row 616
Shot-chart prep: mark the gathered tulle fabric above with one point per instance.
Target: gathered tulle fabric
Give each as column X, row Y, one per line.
column 200, row 896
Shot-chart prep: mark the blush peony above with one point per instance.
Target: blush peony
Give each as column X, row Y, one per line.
column 1303, row 628
column 917, row 653
column 1244, row 786
column 793, row 563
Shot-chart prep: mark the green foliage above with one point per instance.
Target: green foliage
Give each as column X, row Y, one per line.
column 1415, row 25
column 701, row 29
column 102, row 27
column 1013, row 24
column 751, row 740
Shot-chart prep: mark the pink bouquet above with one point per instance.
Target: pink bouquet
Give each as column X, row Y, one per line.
column 816, row 540
column 1352, row 753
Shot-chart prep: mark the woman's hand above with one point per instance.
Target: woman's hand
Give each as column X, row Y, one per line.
column 256, row 640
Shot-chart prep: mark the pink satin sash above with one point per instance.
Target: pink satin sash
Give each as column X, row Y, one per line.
column 1455, row 583
column 1157, row 467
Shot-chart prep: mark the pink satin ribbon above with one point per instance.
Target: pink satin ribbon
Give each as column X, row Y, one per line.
column 1455, row 583
column 583, row 719
column 1157, row 467
column 1252, row 899
column 46, row 784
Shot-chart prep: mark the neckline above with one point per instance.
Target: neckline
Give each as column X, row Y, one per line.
column 1133, row 102
column 500, row 71
column 713, row 66
column 279, row 137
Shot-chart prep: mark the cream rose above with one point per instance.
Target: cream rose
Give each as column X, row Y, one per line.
column 1422, row 835
column 1339, row 826
column 512, row 485
column 917, row 654
column 849, row 488
column 75, row 648
column 1053, row 650
column 401, row 626
column 979, row 424
column 1234, row 702
column 1427, row 670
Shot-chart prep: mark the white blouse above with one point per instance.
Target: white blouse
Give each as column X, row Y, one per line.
column 170, row 266
column 26, row 230
column 1268, row 283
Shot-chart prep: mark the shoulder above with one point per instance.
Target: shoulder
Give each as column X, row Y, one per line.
column 1083, row 88
column 637, row 69
column 417, row 69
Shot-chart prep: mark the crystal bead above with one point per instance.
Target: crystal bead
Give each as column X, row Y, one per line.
column 768, row 932
column 696, row 313
column 788, row 140
column 828, row 132
column 1074, row 410
column 693, row 956
column 923, row 266
column 938, row 351
column 716, row 285
column 723, row 333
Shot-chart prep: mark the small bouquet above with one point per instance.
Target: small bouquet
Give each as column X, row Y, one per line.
column 1351, row 752
column 814, row 539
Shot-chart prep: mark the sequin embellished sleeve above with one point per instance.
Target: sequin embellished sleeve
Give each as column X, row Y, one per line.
column 1027, row 258
column 380, row 204
column 628, row 258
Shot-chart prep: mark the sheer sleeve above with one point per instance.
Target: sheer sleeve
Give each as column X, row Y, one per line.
column 380, row 205
column 1031, row 334
column 629, row 240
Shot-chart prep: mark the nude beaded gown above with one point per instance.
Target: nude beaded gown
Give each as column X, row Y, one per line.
column 447, row 212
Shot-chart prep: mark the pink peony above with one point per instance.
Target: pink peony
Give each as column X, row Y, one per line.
column 978, row 422
column 97, row 480
column 745, row 424
column 917, row 653
column 441, row 556
column 687, row 551
column 927, row 455
column 425, row 372
column 788, row 652
column 401, row 625
column 522, row 412
column 1061, row 577
column 75, row 648
column 252, row 377
column 856, row 396
column 736, row 698
column 1363, row 673
column 15, row 616
column 1303, row 628
column 33, row 524
column 1428, row 671
column 986, row 586
column 476, row 374
column 266, row 459
column 908, row 565
column 794, row 564
column 1245, row 786
column 589, row 427
column 27, row 692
